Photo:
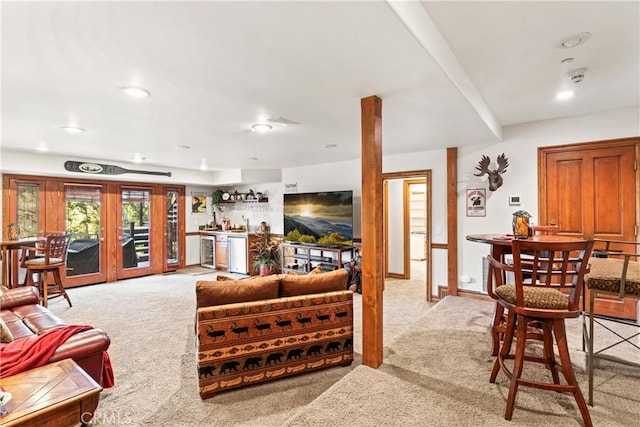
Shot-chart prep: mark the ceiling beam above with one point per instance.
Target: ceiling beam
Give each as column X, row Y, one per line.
column 413, row 15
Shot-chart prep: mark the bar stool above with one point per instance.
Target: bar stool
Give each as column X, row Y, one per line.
column 548, row 298
column 54, row 261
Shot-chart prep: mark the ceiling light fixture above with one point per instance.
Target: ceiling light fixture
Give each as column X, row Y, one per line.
column 135, row 92
column 42, row 147
column 330, row 146
column 183, row 147
column 564, row 95
column 253, row 159
column 261, row 127
column 73, row 130
column 137, row 158
column 575, row 40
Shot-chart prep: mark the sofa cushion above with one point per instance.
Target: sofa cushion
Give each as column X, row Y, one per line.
column 291, row 285
column 209, row 293
column 5, row 333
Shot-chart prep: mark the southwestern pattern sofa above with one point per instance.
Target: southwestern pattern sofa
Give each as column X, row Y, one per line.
column 264, row 328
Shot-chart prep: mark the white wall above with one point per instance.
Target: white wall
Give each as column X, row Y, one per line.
column 520, row 146
column 395, row 226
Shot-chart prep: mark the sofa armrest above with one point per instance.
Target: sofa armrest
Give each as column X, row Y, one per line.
column 19, row 296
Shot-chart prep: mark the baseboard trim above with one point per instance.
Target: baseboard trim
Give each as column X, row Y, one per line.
column 443, row 292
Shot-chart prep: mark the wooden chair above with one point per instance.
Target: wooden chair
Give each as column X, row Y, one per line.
column 54, row 261
column 551, row 296
column 551, row 230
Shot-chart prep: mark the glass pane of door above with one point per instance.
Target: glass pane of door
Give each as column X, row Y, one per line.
column 134, row 229
column 28, row 203
column 83, row 219
column 173, row 248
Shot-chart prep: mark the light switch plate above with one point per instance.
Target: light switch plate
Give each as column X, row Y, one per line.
column 514, row 200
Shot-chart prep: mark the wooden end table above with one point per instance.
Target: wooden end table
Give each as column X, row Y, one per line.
column 60, row 394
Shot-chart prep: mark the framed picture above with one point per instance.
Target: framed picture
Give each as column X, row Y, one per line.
column 476, row 202
column 198, row 203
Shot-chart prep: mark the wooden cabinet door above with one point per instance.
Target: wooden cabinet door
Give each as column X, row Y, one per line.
column 222, row 255
column 589, row 190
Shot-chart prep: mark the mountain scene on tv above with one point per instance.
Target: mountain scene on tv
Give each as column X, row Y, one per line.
column 320, row 218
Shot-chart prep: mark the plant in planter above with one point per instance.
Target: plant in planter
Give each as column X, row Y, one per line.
column 266, row 260
column 216, row 199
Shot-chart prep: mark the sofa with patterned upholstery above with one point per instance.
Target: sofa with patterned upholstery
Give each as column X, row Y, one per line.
column 265, row 328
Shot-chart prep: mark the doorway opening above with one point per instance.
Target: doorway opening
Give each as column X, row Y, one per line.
column 407, row 227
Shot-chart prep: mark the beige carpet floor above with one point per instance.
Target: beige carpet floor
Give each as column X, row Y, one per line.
column 435, row 371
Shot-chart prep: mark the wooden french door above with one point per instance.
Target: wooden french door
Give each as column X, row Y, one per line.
column 591, row 190
column 121, row 230
column 136, row 228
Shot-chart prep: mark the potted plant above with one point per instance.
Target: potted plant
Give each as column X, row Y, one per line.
column 266, row 258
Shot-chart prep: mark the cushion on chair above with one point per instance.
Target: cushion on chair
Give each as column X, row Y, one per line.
column 605, row 276
column 40, row 261
column 535, row 297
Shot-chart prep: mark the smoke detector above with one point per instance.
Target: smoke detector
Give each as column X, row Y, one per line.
column 577, row 75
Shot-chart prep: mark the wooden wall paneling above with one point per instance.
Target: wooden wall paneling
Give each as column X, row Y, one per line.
column 452, row 220
column 113, row 244
column 372, row 232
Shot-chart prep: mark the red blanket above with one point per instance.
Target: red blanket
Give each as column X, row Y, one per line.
column 29, row 353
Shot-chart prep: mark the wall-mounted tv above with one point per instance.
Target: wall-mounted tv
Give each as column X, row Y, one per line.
column 323, row 218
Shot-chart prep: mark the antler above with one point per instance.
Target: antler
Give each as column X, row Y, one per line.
column 483, row 166
column 503, row 163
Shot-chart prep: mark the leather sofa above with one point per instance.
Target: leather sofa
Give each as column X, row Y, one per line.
column 265, row 328
column 25, row 317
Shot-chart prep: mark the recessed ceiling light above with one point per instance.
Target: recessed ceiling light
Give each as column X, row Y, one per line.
column 42, row 147
column 137, row 158
column 575, row 40
column 261, row 127
column 253, row 158
column 565, row 94
column 135, row 92
column 183, row 147
column 330, row 146
column 72, row 129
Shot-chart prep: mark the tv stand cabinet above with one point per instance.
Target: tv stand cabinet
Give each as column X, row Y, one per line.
column 301, row 258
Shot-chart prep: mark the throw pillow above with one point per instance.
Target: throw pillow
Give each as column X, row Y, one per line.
column 313, row 283
column 5, row 333
column 221, row 278
column 210, row 293
column 316, row 270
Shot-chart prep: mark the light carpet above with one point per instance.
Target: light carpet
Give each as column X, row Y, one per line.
column 435, row 371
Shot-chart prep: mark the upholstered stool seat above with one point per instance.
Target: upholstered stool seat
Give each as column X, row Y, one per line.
column 606, row 274
column 535, row 297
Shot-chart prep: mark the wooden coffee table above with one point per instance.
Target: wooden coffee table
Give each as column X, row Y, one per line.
column 56, row 395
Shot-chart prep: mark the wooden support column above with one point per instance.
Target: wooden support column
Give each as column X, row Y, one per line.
column 372, row 231
column 452, row 221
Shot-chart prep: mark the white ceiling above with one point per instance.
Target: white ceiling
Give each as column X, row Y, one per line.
column 215, row 68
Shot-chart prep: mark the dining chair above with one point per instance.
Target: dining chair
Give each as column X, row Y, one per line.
column 557, row 270
column 551, row 230
column 54, row 261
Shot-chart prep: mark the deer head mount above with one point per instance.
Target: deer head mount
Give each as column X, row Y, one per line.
column 495, row 178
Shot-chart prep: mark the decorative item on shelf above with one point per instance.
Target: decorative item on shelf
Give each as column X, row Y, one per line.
column 267, row 255
column 495, row 176
column 225, row 224
column 217, row 197
column 521, row 228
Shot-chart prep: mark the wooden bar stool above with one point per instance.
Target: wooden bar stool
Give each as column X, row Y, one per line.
column 548, row 298
column 54, row 261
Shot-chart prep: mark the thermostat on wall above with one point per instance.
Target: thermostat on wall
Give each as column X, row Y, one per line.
column 514, row 200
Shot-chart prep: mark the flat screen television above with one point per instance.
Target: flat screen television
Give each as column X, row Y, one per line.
column 323, row 218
